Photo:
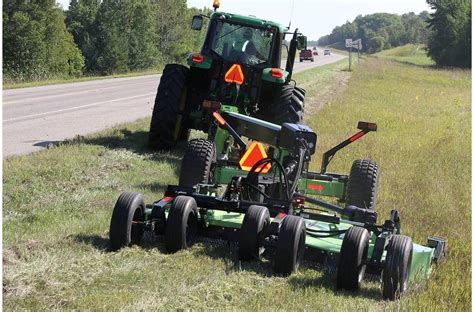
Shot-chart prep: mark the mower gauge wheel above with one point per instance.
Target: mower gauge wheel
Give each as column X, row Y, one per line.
column 182, row 224
column 124, row 227
column 352, row 259
column 397, row 267
column 196, row 166
column 363, row 184
column 290, row 245
column 253, row 227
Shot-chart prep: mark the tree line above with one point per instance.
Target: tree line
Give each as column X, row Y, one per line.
column 446, row 32
column 42, row 41
column 450, row 43
column 381, row 31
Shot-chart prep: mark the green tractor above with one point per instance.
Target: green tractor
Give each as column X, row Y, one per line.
column 239, row 65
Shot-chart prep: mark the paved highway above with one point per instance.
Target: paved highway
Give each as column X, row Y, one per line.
column 35, row 117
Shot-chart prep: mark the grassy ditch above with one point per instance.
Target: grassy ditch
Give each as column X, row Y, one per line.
column 58, row 203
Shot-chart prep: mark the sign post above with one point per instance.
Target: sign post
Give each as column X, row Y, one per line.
column 349, row 45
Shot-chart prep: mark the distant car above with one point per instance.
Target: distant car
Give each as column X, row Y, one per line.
column 315, row 52
column 327, row 52
column 306, row 55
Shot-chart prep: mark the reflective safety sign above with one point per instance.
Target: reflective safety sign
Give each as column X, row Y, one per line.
column 234, row 74
column 254, row 153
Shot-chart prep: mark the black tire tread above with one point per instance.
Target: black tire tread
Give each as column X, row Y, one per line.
column 285, row 255
column 197, row 162
column 121, row 231
column 166, row 109
column 349, row 262
column 181, row 209
column 397, row 250
column 288, row 106
column 254, row 223
column 362, row 184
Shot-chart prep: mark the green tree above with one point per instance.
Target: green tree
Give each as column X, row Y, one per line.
column 126, row 36
column 81, row 22
column 36, row 43
column 450, row 43
column 380, row 31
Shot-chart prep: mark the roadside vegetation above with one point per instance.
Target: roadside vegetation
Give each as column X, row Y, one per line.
column 410, row 53
column 58, row 204
column 380, row 31
column 93, row 38
column 446, row 32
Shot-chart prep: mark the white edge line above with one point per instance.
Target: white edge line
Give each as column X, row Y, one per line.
column 78, row 107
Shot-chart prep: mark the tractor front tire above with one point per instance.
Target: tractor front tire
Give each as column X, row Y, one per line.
column 354, row 250
column 253, row 227
column 290, row 246
column 289, row 106
column 167, row 126
column 182, row 224
column 363, row 183
column 124, row 231
column 396, row 271
column 197, row 162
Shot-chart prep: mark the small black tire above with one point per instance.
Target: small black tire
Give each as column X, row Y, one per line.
column 182, row 224
column 197, row 162
column 167, row 125
column 397, row 267
column 363, row 183
column 129, row 208
column 256, row 219
column 290, row 246
column 288, row 106
column 352, row 259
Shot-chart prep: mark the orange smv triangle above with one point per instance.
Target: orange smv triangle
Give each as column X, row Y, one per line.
column 234, row 74
column 254, row 153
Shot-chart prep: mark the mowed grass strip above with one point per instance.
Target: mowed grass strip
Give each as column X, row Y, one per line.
column 58, row 203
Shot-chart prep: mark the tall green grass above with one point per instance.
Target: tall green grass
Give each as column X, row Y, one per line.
column 409, row 53
column 58, row 203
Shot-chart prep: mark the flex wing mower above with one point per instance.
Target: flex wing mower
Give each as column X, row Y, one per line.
column 270, row 202
column 250, row 176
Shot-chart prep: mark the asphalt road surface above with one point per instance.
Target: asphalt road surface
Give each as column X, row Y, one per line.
column 34, row 118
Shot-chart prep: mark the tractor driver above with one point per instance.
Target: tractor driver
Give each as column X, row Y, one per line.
column 248, row 48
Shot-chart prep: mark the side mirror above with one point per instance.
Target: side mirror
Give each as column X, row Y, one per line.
column 302, row 42
column 197, row 22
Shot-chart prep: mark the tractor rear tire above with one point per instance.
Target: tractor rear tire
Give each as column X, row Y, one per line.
column 182, row 224
column 300, row 93
column 256, row 219
column 197, row 162
column 396, row 271
column 290, row 246
column 352, row 259
column 363, row 183
column 288, row 107
column 167, row 126
column 129, row 208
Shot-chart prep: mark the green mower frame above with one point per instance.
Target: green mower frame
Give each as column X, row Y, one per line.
column 276, row 212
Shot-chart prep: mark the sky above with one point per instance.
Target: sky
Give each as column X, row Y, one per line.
column 314, row 18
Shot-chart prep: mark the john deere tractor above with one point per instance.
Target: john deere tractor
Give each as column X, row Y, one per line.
column 239, row 65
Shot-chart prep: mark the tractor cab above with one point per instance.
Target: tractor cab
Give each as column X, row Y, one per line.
column 242, row 39
column 238, row 69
